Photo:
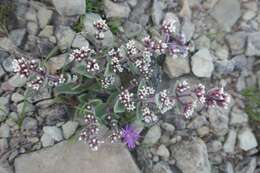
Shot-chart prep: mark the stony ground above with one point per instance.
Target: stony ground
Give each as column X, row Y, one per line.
column 225, row 39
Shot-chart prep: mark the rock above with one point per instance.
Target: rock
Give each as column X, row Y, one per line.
column 32, row 28
column 2, row 72
column 77, row 157
column 218, row 118
column 3, row 146
column 43, row 94
column 204, row 59
column 132, row 3
column 5, row 168
column 132, row 29
column 229, row 168
column 168, row 127
column 176, row 67
column 248, row 165
column 253, row 44
column 53, row 113
column 17, row 36
column 226, row 13
column 247, row 140
column 116, row 10
column 69, row 128
column 237, row 42
column 70, row 8
column 202, row 42
column 191, row 156
column 238, row 117
column 80, row 41
column 47, row 32
column 230, row 143
column 64, row 36
column 4, row 131
column 161, row 167
column 163, row 151
column 29, row 123
column 44, row 16
column 153, row 135
column 188, row 29
column 47, row 140
column 53, row 132
column 56, row 63
column 90, row 31
column 6, row 44
column 173, row 18
column 16, row 97
column 214, row 146
column 203, row 131
column 197, row 122
column 17, row 81
column 25, row 107
column 157, row 12
column 3, row 108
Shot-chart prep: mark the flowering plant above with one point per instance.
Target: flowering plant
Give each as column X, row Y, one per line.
column 114, row 87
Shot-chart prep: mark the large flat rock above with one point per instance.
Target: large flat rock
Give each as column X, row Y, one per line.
column 67, row 157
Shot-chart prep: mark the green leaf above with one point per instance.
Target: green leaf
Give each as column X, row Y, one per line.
column 70, row 88
column 83, row 98
column 81, row 69
column 119, row 107
column 100, row 110
column 95, row 102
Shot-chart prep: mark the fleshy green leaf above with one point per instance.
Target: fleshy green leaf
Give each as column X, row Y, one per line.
column 70, row 89
column 119, row 107
column 81, row 69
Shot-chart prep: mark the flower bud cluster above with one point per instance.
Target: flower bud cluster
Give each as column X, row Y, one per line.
column 217, row 97
column 145, row 92
column 92, row 65
column 107, row 81
column 101, row 27
column 157, row 47
column 131, row 49
column 80, row 54
column 23, row 67
column 149, row 116
column 116, row 57
column 90, row 133
column 126, row 98
column 169, row 26
column 165, row 101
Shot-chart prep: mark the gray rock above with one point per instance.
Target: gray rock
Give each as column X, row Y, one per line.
column 237, row 42
column 116, row 10
column 70, row 8
column 4, row 131
column 168, row 127
column 17, row 81
column 214, row 146
column 47, row 32
column 229, row 168
column 47, row 140
column 157, row 12
column 90, row 31
column 230, row 143
column 202, row 58
column 69, row 128
column 75, row 158
column 80, row 41
column 191, row 156
column 32, row 28
column 253, row 44
column 247, row 140
column 7, row 45
column 64, row 36
column 238, row 117
column 132, row 3
column 202, row 42
column 132, row 29
column 16, row 97
column 29, row 124
column 218, row 119
column 203, row 131
column 161, row 167
column 57, row 62
column 5, row 168
column 2, row 72
column 226, row 13
column 53, row 132
column 176, row 67
column 25, row 107
column 17, row 36
column 3, row 146
column 248, row 165
column 3, row 108
column 163, row 151
column 44, row 16
column 153, row 135
column 188, row 29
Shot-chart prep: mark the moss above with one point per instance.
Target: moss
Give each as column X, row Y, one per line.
column 78, row 26
column 252, row 102
column 94, row 6
column 114, row 25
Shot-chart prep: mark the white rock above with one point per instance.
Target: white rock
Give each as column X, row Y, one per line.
column 230, row 143
column 153, row 135
column 247, row 140
column 176, row 67
column 69, row 129
column 202, row 63
column 238, row 117
column 17, row 81
column 157, row 12
column 44, row 16
column 53, row 132
column 69, row 7
column 163, row 151
column 64, row 36
column 161, row 167
column 116, row 10
column 47, row 140
column 80, row 41
column 4, row 131
column 253, row 44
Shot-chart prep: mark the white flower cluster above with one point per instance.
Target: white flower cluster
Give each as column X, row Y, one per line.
column 200, row 93
column 101, row 27
column 126, row 98
column 107, row 81
column 131, row 49
column 149, row 116
column 80, row 54
column 165, row 103
column 169, row 26
column 189, row 109
column 182, row 87
column 116, row 56
column 92, row 65
column 145, row 92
